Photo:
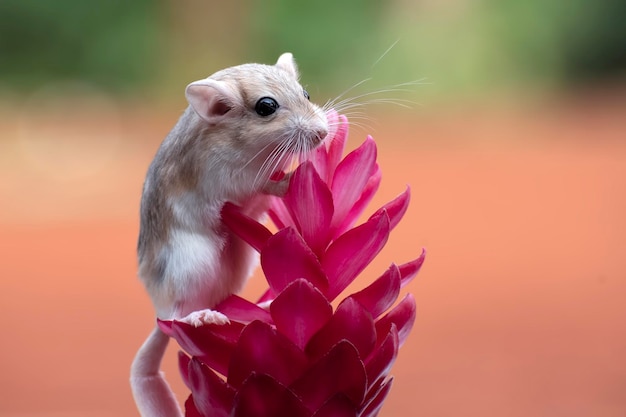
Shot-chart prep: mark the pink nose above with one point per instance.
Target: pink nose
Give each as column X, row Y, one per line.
column 321, row 134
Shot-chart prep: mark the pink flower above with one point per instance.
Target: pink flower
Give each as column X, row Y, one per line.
column 299, row 356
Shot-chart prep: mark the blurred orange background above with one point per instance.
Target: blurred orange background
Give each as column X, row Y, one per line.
column 518, row 196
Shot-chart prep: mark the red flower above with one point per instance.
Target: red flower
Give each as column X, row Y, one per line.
column 292, row 354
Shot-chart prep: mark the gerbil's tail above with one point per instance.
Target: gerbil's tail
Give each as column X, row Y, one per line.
column 153, row 395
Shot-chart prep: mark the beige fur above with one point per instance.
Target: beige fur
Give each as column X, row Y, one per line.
column 220, row 150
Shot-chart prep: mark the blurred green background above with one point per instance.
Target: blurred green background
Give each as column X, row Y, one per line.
column 459, row 47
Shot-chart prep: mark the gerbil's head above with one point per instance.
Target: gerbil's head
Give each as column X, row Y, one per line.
column 261, row 111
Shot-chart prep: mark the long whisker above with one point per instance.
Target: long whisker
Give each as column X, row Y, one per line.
column 385, row 53
column 273, row 161
column 331, row 103
column 392, row 89
column 351, row 106
column 397, row 102
column 263, row 171
column 263, row 149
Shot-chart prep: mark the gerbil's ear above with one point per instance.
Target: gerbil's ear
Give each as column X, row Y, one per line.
column 211, row 99
column 286, row 62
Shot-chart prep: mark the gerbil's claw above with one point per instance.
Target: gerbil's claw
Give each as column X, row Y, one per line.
column 202, row 317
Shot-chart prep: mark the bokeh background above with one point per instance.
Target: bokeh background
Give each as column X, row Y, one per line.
column 513, row 139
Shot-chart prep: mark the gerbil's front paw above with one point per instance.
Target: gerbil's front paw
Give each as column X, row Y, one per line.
column 202, row 317
column 277, row 187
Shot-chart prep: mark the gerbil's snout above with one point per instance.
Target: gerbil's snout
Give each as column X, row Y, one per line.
column 318, row 129
column 319, row 135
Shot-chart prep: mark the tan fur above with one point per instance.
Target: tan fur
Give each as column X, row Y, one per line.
column 220, row 150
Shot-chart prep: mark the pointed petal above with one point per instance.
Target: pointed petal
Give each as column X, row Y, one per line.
column 310, row 203
column 325, row 158
column 212, row 344
column 263, row 396
column 338, row 406
column 379, row 362
column 262, row 349
column 350, row 322
column 339, row 371
column 300, row 311
column 353, row 251
column 241, row 310
column 248, row 229
column 337, row 142
column 166, row 327
column 182, row 331
column 190, row 408
column 376, row 403
column 350, row 178
column 381, row 294
column 286, row 257
column 409, row 270
column 211, row 395
column 183, row 367
column 279, row 214
column 319, row 158
column 357, row 209
column 396, row 207
column 402, row 315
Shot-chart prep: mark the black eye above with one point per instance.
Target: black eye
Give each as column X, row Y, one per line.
column 306, row 95
column 266, row 106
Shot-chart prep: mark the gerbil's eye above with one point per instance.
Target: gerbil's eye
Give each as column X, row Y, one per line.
column 266, row 106
column 306, row 95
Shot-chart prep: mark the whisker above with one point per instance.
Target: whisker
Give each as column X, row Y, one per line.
column 385, row 53
column 398, row 102
column 392, row 89
column 263, row 149
column 330, row 103
column 271, row 162
column 420, row 81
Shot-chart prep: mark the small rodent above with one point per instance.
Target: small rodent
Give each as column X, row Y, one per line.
column 242, row 125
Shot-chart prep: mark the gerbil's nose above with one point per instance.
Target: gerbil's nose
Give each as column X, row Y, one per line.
column 321, row 134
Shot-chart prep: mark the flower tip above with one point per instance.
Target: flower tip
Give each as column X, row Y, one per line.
column 332, row 114
column 334, row 122
column 409, row 270
column 371, row 142
column 396, row 208
column 382, row 220
column 165, row 326
column 420, row 260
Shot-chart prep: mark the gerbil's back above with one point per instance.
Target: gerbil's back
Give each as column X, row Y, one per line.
column 162, row 179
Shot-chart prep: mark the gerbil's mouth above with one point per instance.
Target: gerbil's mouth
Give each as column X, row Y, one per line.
column 286, row 154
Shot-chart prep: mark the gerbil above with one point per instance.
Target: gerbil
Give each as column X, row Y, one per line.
column 242, row 125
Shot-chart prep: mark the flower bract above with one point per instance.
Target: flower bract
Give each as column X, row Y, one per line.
column 292, row 353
